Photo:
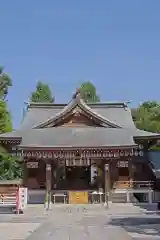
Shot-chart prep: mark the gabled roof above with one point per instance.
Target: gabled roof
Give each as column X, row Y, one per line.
column 116, row 114
column 77, row 102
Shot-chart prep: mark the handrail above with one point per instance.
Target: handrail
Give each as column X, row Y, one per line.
column 134, row 184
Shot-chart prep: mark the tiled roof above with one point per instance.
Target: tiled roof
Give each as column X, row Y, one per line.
column 77, row 137
column 11, row 135
column 117, row 114
column 122, row 130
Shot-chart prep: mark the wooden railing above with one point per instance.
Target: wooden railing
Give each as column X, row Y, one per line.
column 133, row 184
column 8, row 199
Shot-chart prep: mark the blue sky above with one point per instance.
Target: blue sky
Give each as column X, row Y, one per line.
column 115, row 44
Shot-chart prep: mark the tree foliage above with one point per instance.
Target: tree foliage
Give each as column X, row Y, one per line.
column 147, row 116
column 5, row 83
column 5, row 118
column 10, row 167
column 42, row 94
column 88, row 92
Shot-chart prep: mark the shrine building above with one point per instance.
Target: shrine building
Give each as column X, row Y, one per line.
column 79, row 146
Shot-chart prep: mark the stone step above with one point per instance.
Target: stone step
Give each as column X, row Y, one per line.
column 118, row 197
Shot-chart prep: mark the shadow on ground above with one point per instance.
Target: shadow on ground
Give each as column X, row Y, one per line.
column 147, row 206
column 149, row 226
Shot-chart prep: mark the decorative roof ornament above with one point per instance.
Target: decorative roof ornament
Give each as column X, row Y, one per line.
column 77, row 111
column 77, row 93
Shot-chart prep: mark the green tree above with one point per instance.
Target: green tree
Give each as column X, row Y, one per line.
column 147, row 116
column 42, row 94
column 5, row 118
column 88, row 92
column 5, row 83
column 10, row 167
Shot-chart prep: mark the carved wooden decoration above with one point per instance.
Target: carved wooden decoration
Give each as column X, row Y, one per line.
column 84, row 154
column 122, row 164
column 77, row 110
column 77, row 119
column 32, row 164
column 77, row 162
column 10, row 141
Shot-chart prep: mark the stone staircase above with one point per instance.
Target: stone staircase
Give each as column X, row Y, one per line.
column 121, row 197
column 118, row 197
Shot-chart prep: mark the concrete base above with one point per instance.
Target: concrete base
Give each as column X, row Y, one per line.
column 7, row 209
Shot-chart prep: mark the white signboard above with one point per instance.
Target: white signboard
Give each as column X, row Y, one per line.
column 22, row 198
column 94, row 173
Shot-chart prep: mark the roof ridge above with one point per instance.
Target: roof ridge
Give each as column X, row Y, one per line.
column 44, row 104
column 125, row 103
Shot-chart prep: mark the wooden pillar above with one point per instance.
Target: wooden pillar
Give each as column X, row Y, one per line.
column 107, row 178
column 48, row 185
column 111, row 173
column 24, row 172
column 116, row 171
column 130, row 169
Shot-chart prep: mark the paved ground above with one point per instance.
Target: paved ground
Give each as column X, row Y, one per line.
column 81, row 222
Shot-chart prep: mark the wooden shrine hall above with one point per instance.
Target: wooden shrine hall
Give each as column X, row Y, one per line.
column 79, row 146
